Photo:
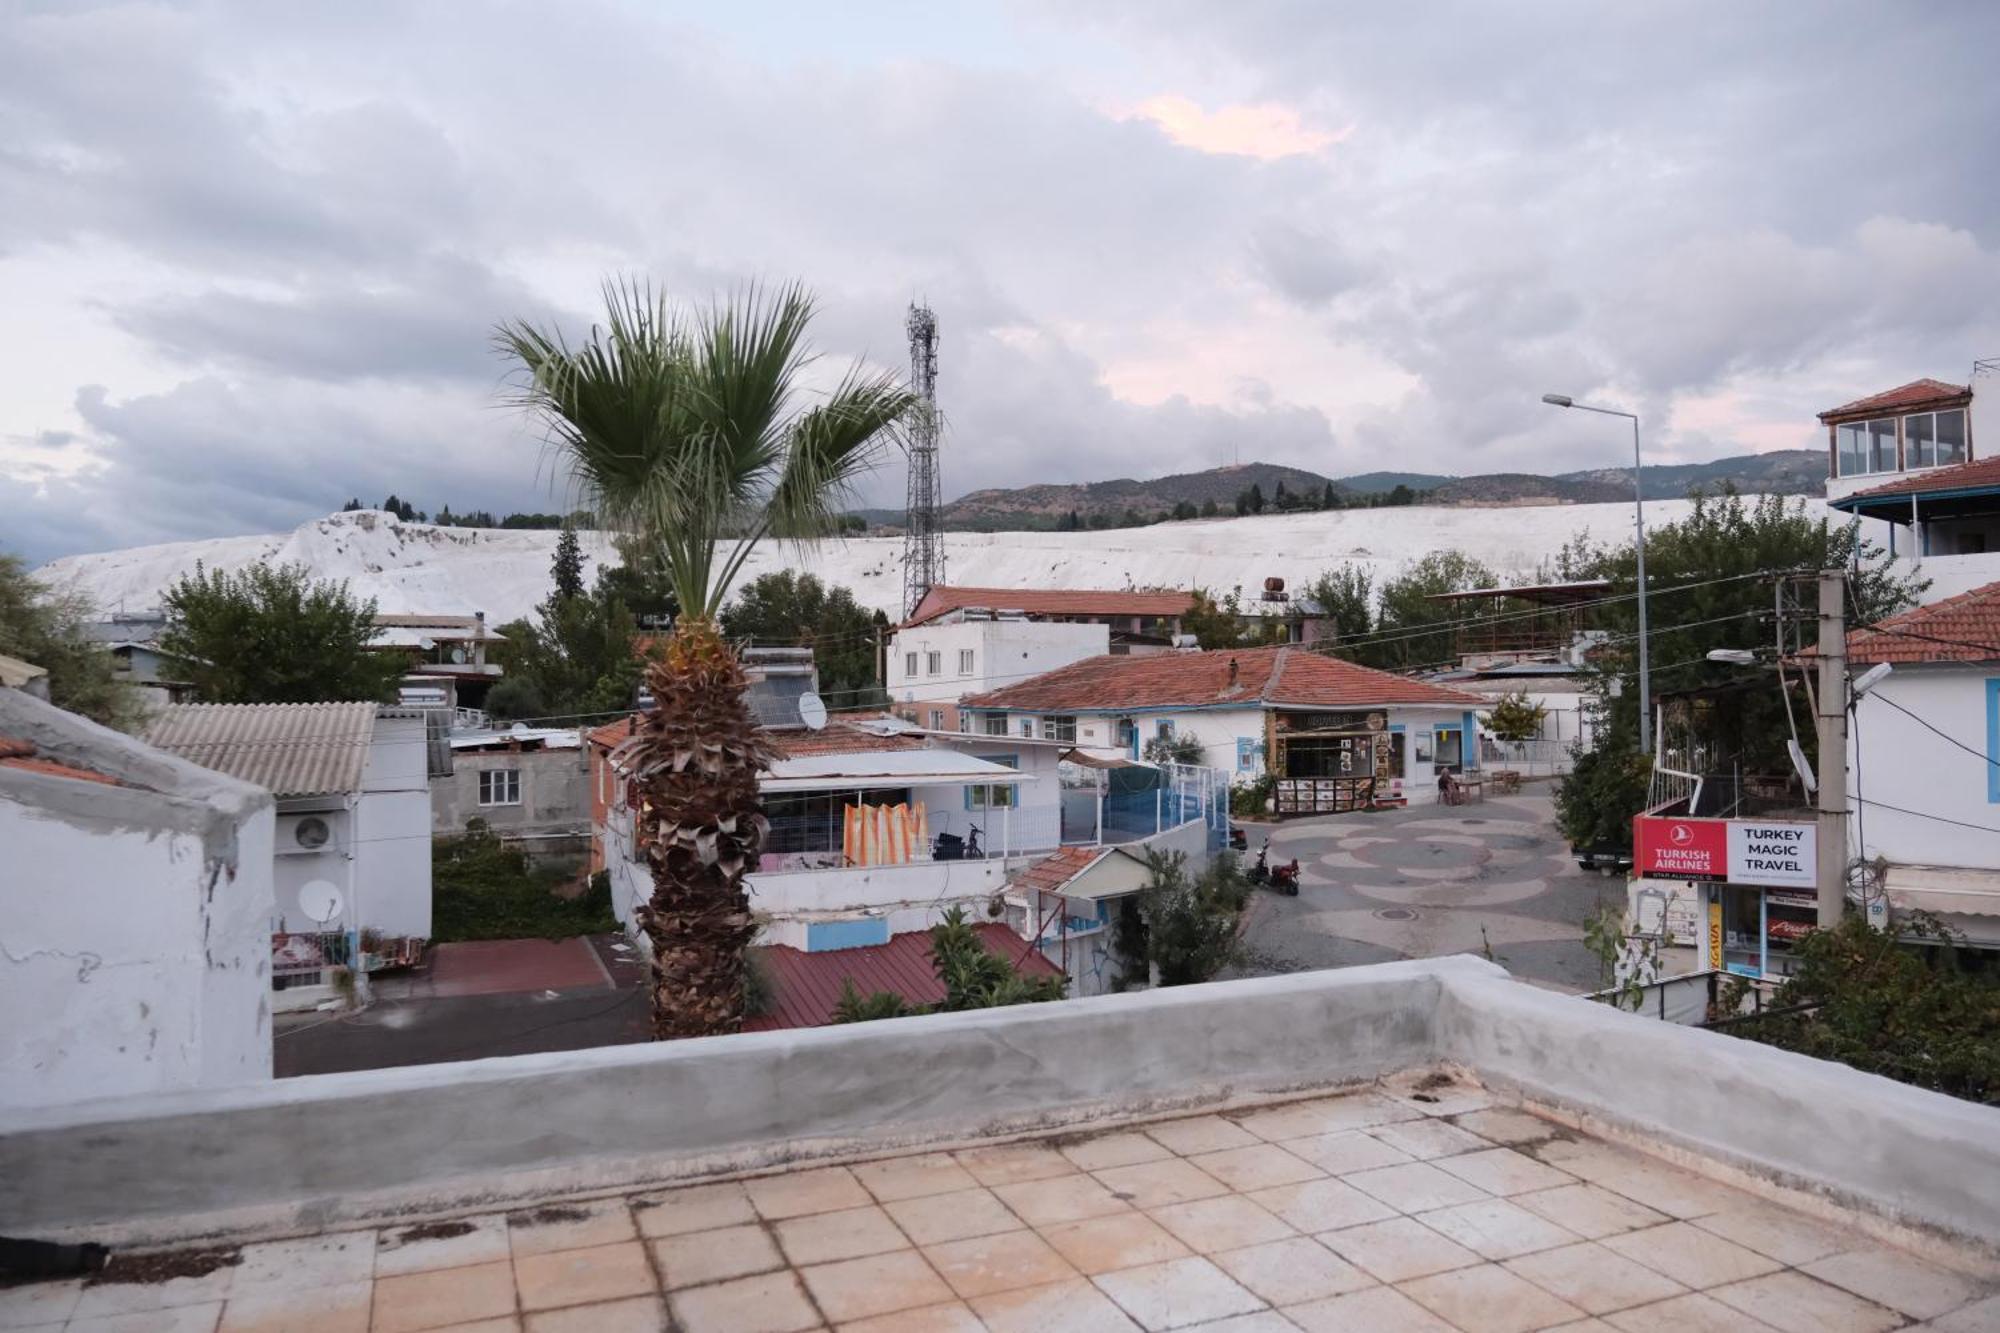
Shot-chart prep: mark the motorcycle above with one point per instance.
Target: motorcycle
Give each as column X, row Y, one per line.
column 1239, row 841
column 1282, row 879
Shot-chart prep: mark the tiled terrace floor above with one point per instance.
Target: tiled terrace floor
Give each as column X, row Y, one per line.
column 1369, row 1211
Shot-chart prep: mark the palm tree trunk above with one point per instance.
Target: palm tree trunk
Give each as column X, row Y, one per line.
column 697, row 755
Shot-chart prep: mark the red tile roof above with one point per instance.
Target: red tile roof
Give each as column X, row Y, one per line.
column 807, row 985
column 1264, row 677
column 1979, row 472
column 1053, row 601
column 1049, row 874
column 608, row 735
column 21, row 754
column 1901, row 398
column 1965, row 628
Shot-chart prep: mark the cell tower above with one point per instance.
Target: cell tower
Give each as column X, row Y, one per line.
column 923, row 547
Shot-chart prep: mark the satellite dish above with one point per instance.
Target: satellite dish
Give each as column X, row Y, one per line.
column 519, row 731
column 1803, row 765
column 812, row 711
column 458, row 656
column 320, row 899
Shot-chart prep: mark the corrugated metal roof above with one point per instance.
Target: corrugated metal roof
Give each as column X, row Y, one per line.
column 287, row 749
column 807, row 985
column 944, row 599
column 887, row 768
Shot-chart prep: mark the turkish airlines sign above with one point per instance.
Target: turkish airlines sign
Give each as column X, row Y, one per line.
column 1736, row 851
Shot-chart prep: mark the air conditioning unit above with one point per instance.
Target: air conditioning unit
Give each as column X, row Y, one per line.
column 308, row 834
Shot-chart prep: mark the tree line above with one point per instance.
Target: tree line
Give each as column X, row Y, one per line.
column 1249, row 502
column 477, row 518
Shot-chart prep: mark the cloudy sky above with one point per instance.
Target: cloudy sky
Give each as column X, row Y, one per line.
column 250, row 254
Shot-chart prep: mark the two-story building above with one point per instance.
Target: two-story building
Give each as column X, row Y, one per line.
column 1334, row 735
column 531, row 785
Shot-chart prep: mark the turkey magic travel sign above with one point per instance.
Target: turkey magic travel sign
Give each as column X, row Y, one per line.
column 1776, row 853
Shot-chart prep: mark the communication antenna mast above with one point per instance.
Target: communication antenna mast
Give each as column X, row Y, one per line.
column 923, row 547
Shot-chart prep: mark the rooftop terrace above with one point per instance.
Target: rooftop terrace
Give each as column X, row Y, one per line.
column 1495, row 1159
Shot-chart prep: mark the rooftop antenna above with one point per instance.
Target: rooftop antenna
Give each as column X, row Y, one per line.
column 923, row 547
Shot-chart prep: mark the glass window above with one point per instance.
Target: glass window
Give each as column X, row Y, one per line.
column 909, row 664
column 1851, row 448
column 1951, row 437
column 1164, row 729
column 500, row 786
column 965, row 661
column 1448, row 747
column 1247, row 751
column 996, row 724
column 993, row 797
column 937, row 719
column 1920, row 440
column 933, row 663
column 1059, row 728
column 1882, row 445
column 1028, row 728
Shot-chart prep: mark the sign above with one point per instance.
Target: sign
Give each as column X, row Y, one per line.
column 1715, row 929
column 1735, row 851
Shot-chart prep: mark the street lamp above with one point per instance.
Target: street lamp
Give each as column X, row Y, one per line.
column 1639, row 509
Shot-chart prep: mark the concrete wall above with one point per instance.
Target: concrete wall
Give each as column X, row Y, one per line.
column 135, row 950
column 555, row 795
column 1004, row 652
column 392, row 867
column 1894, row 759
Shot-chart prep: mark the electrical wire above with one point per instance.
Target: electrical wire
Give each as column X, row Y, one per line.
column 1936, row 819
column 1944, row 736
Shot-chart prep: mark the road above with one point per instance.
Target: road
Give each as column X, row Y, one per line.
column 1493, row 878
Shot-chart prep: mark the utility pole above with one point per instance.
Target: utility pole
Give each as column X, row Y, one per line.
column 1832, row 722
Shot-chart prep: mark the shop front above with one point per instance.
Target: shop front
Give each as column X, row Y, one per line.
column 1758, row 879
column 1330, row 763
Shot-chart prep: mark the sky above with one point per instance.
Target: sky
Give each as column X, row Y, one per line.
column 251, row 255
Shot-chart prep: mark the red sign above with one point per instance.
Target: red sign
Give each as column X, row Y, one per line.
column 1680, row 848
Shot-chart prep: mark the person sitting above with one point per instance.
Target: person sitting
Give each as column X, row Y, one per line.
column 1446, row 793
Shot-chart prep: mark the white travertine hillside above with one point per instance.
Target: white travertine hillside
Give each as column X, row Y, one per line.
column 420, row 568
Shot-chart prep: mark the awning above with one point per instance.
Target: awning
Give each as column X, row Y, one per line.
column 888, row 768
column 1100, row 758
column 1944, row 890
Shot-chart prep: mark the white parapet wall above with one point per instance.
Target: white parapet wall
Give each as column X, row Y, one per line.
column 311, row 1153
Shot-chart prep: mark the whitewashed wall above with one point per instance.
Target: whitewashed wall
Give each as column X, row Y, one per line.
column 392, row 866
column 1893, row 759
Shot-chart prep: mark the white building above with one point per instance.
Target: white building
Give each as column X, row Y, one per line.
column 138, row 903
column 1924, row 761
column 354, row 804
column 1334, row 735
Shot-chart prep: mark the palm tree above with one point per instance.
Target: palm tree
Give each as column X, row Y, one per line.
column 689, row 432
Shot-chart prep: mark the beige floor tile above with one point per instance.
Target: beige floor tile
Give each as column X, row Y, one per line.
column 453, row 1244
column 1376, row 1310
column 771, row 1303
column 177, row 1319
column 798, row 1193
column 1255, row 1168
column 879, row 1284
column 1489, row 1299
column 1347, row 1150
column 312, row 1261
column 1978, row 1317
column 1504, row 1171
column 1106, row 1244
column 1899, row 1280
column 1157, row 1184
column 1590, row 1325
column 1323, row 1115
column 1121, row 1149
column 1426, row 1139
column 506, row 1323
column 1496, row 1229
column 957, row 1216
column 952, row 1317
column 1290, row 1272
column 1508, row 1126
column 1795, row 1303
column 340, row 1308
column 1685, row 1314
column 1177, row 1293
column 1590, row 1211
column 1593, row 1278
column 1679, row 1194
column 581, row 1277
column 1062, row 1199
column 913, row 1177
column 1258, row 1321
column 1790, row 1238
column 569, row 1227
column 117, row 1298
column 443, row 1296
column 1414, row 1187
column 986, row 1264
column 711, row 1256
column 635, row 1314
column 1228, row 1222
column 698, row 1208
column 1691, row 1256
column 1010, row 1163
column 1074, row 1306
column 1437, row 1095
column 847, row 1234
column 1398, row 1249
column 1323, row 1205
column 38, row 1303
column 1199, row 1134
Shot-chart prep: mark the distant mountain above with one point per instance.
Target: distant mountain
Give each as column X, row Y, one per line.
column 1780, row 472
column 1042, row 506
column 1381, row 483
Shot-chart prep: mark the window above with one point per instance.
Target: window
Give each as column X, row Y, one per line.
column 1059, row 728
column 934, row 663
column 1128, row 735
column 909, row 664
column 965, row 661
column 1249, row 754
column 1934, row 439
column 996, row 724
column 1865, row 446
column 1027, row 728
column 500, row 786
column 995, row 797
column 1164, row 729
column 937, row 719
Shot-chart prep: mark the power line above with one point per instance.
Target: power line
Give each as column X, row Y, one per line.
column 1953, row 740
column 1920, row 814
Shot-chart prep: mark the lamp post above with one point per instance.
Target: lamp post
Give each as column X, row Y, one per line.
column 1639, row 511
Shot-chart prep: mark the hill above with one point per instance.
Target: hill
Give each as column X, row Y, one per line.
column 1033, row 507
column 1381, row 483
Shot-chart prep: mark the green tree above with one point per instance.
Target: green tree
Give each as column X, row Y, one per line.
column 1516, row 717
column 567, row 568
column 1409, row 609
column 272, row 634
column 1189, row 922
column 577, row 658
column 691, row 430
column 1209, row 508
column 1182, row 747
column 1281, row 499
column 1255, row 500
column 798, row 611
column 1399, row 494
column 1329, row 498
column 640, row 581
column 1347, row 596
column 44, row 627
column 974, row 977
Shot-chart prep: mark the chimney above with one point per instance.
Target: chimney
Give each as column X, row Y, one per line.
column 1232, row 673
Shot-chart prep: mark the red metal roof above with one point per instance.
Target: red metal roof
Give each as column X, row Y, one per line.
column 1049, row 874
column 807, row 985
column 1053, row 601
column 1264, row 677
column 21, row 754
column 1902, row 398
column 1965, row 628
column 607, row 736
column 1960, row 476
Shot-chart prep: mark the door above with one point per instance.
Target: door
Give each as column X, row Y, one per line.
column 1450, row 749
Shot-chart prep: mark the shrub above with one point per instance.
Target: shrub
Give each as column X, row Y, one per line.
column 483, row 889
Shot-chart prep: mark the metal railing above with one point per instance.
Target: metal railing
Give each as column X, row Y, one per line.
column 304, row 958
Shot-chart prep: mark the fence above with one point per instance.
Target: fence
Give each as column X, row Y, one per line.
column 303, row 958
column 1531, row 759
